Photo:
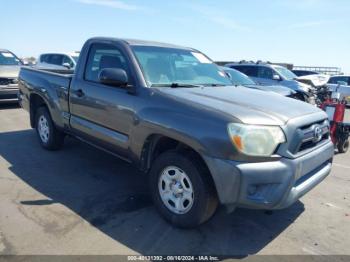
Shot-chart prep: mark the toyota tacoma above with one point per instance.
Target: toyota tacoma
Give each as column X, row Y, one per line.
column 173, row 113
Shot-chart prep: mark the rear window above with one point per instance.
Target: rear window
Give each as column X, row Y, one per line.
column 55, row 59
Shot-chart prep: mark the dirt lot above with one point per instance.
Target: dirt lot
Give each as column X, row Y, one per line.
column 82, row 201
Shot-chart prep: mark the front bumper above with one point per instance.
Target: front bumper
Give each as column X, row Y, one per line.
column 270, row 185
column 9, row 94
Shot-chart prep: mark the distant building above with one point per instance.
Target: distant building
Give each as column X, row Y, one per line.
column 321, row 69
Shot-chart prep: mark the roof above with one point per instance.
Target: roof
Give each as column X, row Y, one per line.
column 137, row 42
column 251, row 65
column 75, row 53
column 4, row 50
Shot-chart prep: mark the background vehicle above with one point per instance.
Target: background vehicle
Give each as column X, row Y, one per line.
column 304, row 72
column 239, row 79
column 9, row 69
column 340, row 84
column 340, row 78
column 58, row 60
column 340, row 130
column 173, row 113
column 319, row 83
column 268, row 74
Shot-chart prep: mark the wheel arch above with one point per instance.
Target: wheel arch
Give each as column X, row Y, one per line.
column 156, row 144
column 36, row 101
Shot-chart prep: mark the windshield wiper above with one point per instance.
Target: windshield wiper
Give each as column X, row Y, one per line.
column 214, row 85
column 175, row 85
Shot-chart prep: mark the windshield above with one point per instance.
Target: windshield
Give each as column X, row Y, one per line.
column 237, row 78
column 285, row 73
column 178, row 67
column 7, row 58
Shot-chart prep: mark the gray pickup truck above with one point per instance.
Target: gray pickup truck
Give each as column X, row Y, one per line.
column 173, row 113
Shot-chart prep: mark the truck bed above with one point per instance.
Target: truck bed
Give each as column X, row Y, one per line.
column 57, row 71
column 52, row 86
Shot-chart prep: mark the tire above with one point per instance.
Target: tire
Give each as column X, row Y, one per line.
column 194, row 177
column 343, row 146
column 49, row 136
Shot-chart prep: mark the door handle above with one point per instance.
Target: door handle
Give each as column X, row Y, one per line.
column 79, row 93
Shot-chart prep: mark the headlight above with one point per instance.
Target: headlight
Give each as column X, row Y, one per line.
column 255, row 140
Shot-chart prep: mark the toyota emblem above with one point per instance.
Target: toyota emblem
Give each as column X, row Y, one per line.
column 317, row 134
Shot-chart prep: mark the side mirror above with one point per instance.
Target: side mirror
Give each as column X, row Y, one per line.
column 66, row 65
column 276, row 77
column 113, row 77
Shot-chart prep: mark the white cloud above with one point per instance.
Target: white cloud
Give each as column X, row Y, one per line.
column 227, row 22
column 301, row 4
column 219, row 17
column 306, row 24
column 110, row 3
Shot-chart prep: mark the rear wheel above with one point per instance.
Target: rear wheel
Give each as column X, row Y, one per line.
column 49, row 136
column 343, row 146
column 182, row 190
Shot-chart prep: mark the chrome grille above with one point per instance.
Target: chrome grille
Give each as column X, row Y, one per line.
column 310, row 136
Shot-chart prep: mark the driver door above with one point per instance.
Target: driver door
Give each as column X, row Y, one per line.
column 100, row 113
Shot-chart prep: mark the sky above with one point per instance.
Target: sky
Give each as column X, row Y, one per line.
column 301, row 32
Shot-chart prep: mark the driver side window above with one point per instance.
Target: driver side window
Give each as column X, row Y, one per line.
column 265, row 72
column 103, row 56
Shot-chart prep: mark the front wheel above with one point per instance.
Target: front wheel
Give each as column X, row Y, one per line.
column 343, row 146
column 49, row 136
column 182, row 190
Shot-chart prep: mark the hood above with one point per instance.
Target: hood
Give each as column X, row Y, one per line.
column 314, row 80
column 248, row 105
column 282, row 90
column 297, row 86
column 9, row 71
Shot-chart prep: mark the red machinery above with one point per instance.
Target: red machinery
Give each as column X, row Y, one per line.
column 335, row 108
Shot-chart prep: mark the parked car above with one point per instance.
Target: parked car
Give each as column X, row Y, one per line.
column 58, row 60
column 340, row 84
column 174, row 114
column 298, row 72
column 345, row 79
column 239, row 79
column 269, row 74
column 9, row 69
